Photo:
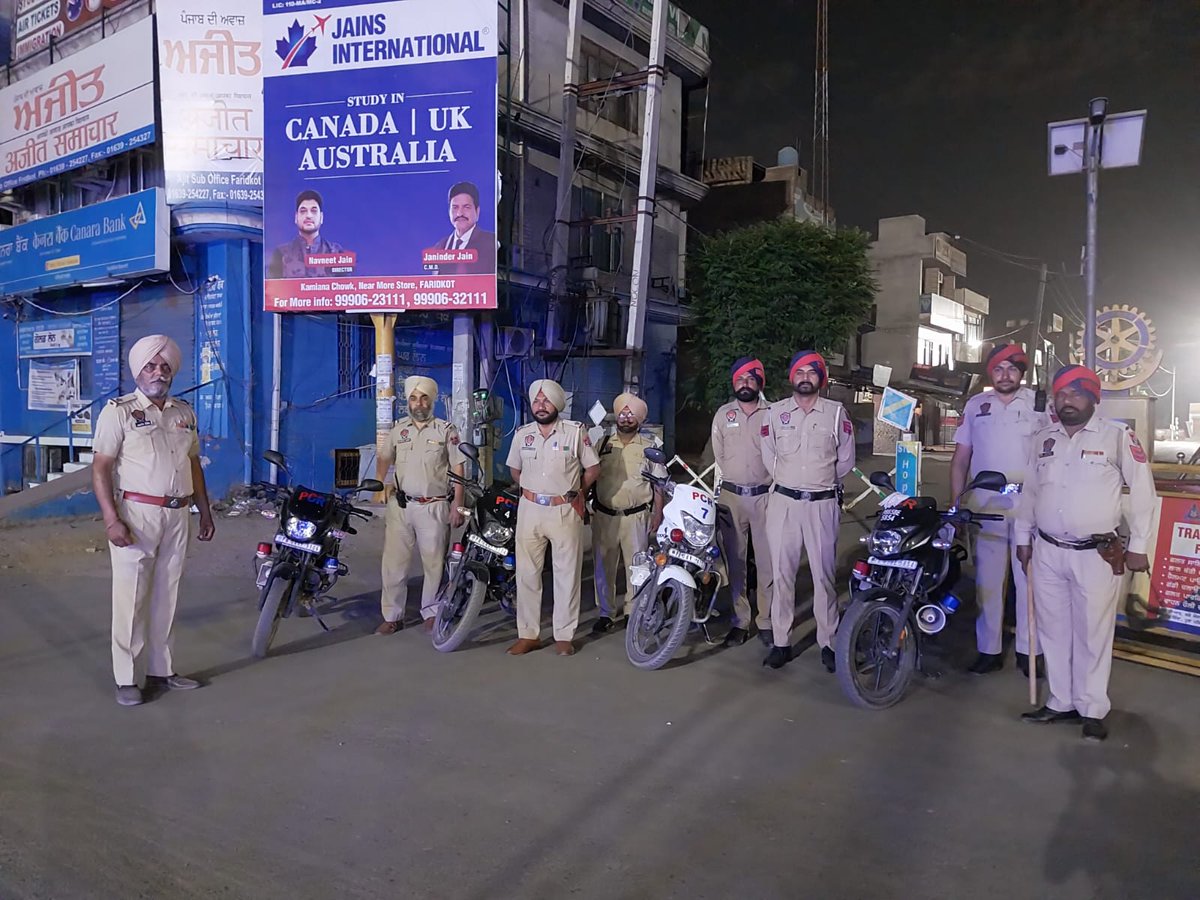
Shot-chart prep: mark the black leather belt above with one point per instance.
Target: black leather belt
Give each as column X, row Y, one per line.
column 742, row 491
column 1068, row 545
column 805, row 495
column 633, row 510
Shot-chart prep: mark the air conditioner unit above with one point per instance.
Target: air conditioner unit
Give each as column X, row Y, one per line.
column 514, row 343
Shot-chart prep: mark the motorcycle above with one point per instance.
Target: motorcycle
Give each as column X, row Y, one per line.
column 679, row 575
column 481, row 567
column 903, row 592
column 302, row 563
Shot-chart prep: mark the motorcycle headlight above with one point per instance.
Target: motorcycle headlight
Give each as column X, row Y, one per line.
column 495, row 533
column 885, row 543
column 300, row 529
column 697, row 533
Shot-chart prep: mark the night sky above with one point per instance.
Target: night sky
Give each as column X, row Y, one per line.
column 939, row 108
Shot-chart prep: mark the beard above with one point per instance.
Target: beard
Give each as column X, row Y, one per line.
column 545, row 418
column 805, row 388
column 746, row 395
column 156, row 387
column 1070, row 415
column 420, row 415
column 1005, row 387
column 624, row 428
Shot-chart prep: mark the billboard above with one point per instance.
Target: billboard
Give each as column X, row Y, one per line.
column 210, row 66
column 117, row 238
column 40, row 21
column 55, row 337
column 380, row 124
column 92, row 105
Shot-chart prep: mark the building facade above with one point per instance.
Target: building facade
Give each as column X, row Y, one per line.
column 201, row 279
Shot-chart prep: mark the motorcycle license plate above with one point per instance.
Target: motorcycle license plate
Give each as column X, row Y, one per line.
column 297, row 545
column 686, row 557
column 476, row 539
column 893, row 563
column 639, row 575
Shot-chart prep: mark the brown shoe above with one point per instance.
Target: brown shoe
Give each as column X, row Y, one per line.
column 429, row 625
column 523, row 646
column 564, row 648
column 389, row 628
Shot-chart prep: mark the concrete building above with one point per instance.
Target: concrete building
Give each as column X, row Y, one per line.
column 207, row 290
column 742, row 191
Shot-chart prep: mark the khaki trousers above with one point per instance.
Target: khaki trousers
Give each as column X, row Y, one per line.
column 562, row 529
column 423, row 528
column 1076, row 597
column 749, row 522
column 145, row 589
column 798, row 526
column 995, row 555
column 615, row 539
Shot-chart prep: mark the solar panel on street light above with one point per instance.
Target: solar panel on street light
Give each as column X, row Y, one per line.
column 1121, row 147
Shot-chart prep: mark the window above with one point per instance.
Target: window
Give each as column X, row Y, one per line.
column 597, row 64
column 356, row 356
column 602, row 244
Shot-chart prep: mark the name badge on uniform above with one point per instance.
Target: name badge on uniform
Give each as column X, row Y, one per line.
column 139, row 419
column 985, row 409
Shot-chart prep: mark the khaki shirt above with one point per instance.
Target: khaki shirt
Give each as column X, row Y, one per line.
column 999, row 434
column 808, row 451
column 554, row 464
column 620, row 484
column 153, row 448
column 737, row 444
column 423, row 456
column 1073, row 484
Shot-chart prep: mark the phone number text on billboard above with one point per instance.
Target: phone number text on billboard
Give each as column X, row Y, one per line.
column 376, row 295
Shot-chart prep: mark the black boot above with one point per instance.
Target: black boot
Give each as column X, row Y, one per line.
column 828, row 659
column 1039, row 664
column 778, row 657
column 736, row 637
column 987, row 662
column 603, row 625
column 1094, row 730
column 1046, row 715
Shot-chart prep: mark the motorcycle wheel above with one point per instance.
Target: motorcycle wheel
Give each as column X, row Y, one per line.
column 658, row 624
column 274, row 597
column 459, row 603
column 868, row 676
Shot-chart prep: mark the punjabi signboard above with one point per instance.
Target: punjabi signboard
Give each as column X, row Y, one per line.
column 94, row 104
column 380, row 123
column 210, row 66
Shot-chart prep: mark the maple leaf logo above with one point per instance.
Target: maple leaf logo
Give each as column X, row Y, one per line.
column 297, row 47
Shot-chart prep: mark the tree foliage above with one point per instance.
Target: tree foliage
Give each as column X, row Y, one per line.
column 770, row 289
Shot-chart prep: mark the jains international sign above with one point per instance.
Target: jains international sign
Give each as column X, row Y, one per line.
column 94, row 104
column 380, row 125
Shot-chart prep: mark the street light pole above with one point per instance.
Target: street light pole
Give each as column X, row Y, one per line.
column 1097, row 112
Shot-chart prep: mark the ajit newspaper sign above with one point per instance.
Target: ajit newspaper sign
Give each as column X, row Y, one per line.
column 380, row 124
column 210, row 66
column 94, row 104
column 38, row 22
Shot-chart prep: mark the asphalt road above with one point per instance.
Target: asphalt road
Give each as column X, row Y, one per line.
column 356, row 766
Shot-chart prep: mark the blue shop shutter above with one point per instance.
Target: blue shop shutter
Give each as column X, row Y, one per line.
column 158, row 311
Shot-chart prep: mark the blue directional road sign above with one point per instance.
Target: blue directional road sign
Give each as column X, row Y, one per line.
column 896, row 409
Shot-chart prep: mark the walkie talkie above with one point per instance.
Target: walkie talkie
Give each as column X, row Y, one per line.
column 1039, row 400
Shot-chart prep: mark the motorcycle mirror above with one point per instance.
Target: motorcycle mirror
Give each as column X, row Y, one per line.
column 655, row 455
column 989, row 481
column 372, row 485
column 470, row 451
column 275, row 458
column 882, row 480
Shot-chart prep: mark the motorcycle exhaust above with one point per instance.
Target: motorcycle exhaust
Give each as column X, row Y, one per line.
column 931, row 618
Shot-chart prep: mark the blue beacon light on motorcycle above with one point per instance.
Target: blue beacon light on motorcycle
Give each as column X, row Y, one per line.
column 510, row 562
column 331, row 564
column 714, row 551
column 950, row 603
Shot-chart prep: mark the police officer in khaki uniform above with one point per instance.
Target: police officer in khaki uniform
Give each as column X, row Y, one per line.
column 995, row 434
column 146, row 476
column 626, row 507
column 1077, row 469
column 737, row 432
column 553, row 461
column 421, row 508
column 808, row 448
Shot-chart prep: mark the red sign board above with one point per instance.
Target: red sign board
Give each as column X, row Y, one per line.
column 1175, row 581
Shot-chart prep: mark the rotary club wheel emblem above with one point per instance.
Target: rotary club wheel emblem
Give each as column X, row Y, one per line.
column 1126, row 354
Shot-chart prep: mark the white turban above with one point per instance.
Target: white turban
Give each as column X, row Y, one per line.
column 636, row 405
column 151, row 346
column 425, row 385
column 553, row 391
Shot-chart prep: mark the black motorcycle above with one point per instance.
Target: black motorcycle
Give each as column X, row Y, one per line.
column 302, row 564
column 482, row 567
column 902, row 592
